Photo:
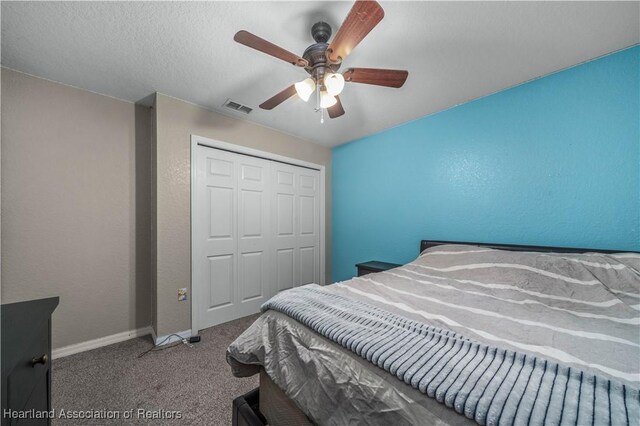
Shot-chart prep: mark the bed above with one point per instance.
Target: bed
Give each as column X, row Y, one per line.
column 467, row 333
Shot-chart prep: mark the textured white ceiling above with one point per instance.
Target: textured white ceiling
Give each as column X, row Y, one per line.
column 454, row 51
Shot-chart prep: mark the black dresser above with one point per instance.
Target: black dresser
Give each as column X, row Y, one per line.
column 26, row 361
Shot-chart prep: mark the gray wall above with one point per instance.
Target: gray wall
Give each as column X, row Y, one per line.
column 176, row 121
column 96, row 203
column 76, row 183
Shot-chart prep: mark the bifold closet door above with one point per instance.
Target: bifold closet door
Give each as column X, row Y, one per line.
column 296, row 225
column 256, row 231
column 232, row 265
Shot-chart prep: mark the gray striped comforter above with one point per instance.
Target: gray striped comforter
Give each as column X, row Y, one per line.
column 502, row 337
column 580, row 310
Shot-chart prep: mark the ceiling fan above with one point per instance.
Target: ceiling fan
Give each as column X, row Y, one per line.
column 322, row 60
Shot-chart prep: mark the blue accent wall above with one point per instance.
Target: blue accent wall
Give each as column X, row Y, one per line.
column 555, row 161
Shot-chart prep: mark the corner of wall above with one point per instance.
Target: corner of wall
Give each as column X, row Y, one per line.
column 154, row 216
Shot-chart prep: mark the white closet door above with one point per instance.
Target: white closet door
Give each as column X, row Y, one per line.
column 296, row 225
column 256, row 231
column 232, row 231
column 308, row 225
column 254, row 234
column 285, row 246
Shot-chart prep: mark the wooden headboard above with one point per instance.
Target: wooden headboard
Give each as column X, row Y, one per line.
column 425, row 244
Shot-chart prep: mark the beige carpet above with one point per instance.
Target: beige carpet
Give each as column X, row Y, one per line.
column 195, row 381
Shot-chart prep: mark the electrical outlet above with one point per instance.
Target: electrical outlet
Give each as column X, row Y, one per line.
column 182, row 294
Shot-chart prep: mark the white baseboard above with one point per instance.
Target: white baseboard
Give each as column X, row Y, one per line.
column 170, row 338
column 98, row 343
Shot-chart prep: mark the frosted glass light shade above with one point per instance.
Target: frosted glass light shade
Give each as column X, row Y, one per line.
column 326, row 100
column 334, row 83
column 305, row 88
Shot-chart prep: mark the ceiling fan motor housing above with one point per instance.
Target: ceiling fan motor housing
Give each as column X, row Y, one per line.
column 316, row 53
column 321, row 32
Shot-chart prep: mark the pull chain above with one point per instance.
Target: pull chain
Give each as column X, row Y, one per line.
column 318, row 107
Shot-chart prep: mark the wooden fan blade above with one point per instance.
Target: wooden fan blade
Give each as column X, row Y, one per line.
column 276, row 100
column 336, row 110
column 379, row 77
column 264, row 46
column 364, row 15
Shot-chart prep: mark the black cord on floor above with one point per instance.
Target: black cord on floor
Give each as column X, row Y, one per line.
column 159, row 346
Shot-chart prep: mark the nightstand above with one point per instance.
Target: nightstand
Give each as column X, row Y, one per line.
column 374, row 266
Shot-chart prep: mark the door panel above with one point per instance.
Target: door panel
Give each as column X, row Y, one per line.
column 285, row 178
column 307, row 215
column 254, row 173
column 307, row 182
column 284, row 225
column 308, row 225
column 220, row 281
column 307, row 265
column 231, row 236
column 284, row 215
column 285, row 271
column 254, row 240
column 251, row 267
column 215, row 228
column 296, row 222
column 221, row 212
column 221, row 168
column 251, row 210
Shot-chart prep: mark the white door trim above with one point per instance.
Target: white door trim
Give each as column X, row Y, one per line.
column 238, row 149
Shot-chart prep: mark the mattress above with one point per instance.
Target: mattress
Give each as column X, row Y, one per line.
column 578, row 310
column 276, row 407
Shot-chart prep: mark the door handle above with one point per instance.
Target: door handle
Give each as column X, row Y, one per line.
column 42, row 359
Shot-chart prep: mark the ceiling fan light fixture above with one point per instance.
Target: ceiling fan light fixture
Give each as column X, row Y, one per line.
column 326, row 100
column 305, row 88
column 334, row 82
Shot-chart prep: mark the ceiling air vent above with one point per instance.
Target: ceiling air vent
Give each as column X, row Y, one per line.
column 237, row 107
